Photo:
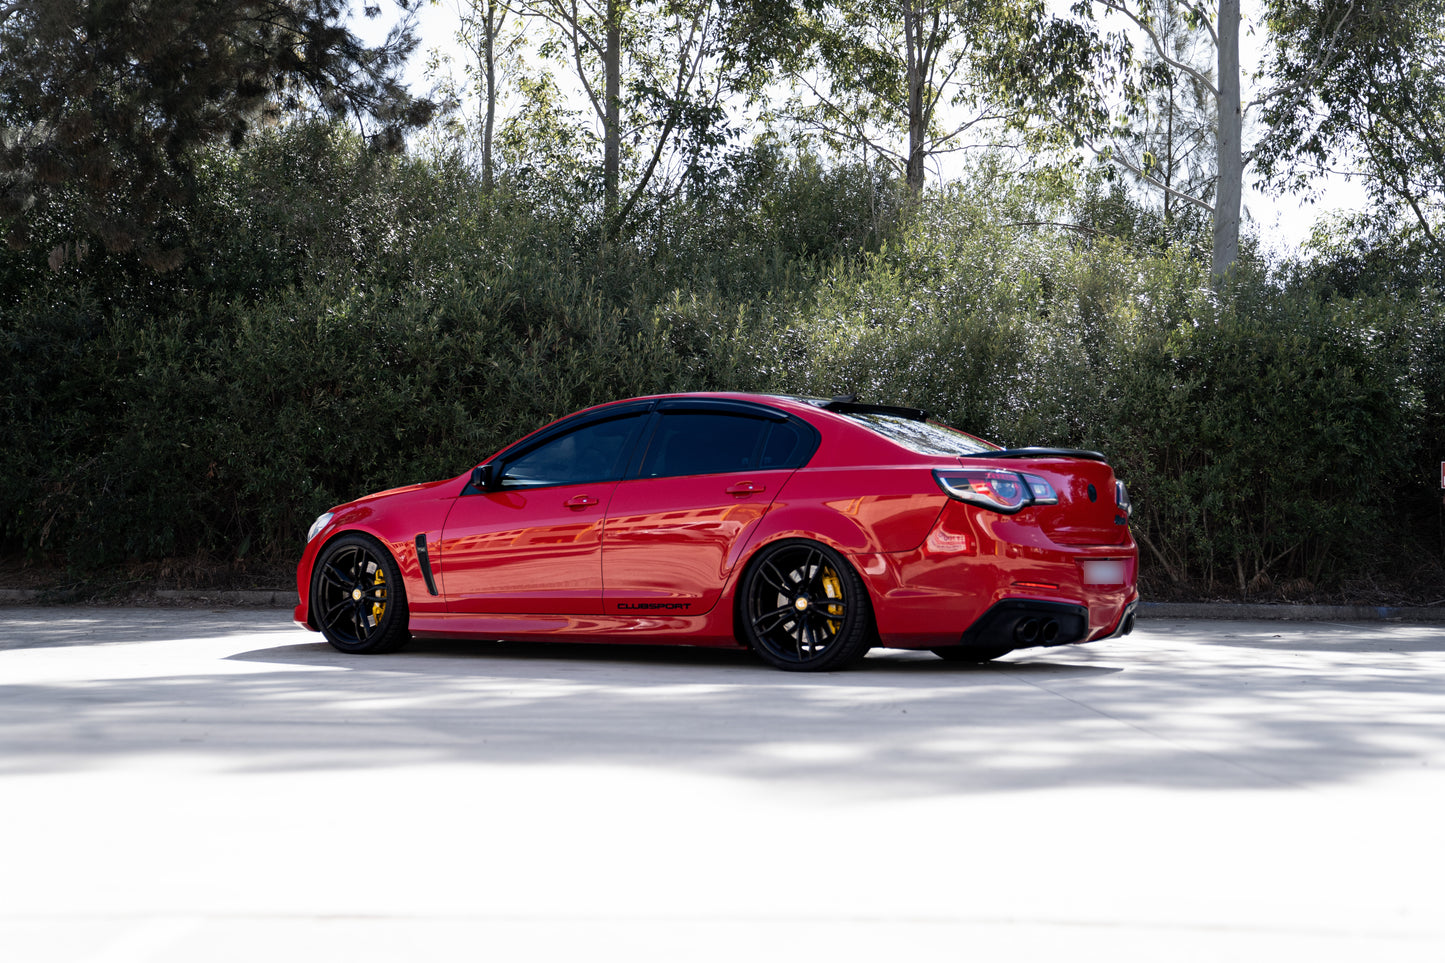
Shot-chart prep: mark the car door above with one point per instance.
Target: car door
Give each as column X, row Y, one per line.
column 676, row 524
column 531, row 543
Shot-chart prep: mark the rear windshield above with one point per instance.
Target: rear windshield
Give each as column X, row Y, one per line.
column 924, row 437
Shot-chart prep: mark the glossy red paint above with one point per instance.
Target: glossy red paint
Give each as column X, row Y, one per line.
column 537, row 551
column 660, row 559
column 671, row 544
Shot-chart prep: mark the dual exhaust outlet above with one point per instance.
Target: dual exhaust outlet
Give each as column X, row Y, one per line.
column 1032, row 631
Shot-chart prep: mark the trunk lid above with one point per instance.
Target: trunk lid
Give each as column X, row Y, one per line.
column 1088, row 512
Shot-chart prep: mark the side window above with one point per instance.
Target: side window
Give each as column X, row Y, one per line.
column 593, row 453
column 705, row 443
column 787, row 446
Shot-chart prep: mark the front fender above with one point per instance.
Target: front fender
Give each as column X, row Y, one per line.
column 395, row 519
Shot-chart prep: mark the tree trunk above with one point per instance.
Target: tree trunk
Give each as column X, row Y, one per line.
column 1230, row 156
column 917, row 126
column 611, row 123
column 489, row 121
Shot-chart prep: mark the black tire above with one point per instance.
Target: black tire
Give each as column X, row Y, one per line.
column 968, row 653
column 357, row 597
column 803, row 608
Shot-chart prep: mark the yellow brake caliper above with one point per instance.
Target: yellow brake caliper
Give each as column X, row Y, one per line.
column 833, row 587
column 378, row 609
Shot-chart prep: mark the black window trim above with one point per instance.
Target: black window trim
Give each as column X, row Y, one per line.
column 643, row 441
column 531, row 443
column 812, row 438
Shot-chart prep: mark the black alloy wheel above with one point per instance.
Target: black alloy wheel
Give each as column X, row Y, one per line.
column 802, row 607
column 357, row 597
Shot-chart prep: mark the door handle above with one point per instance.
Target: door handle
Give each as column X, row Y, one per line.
column 745, row 488
column 580, row 501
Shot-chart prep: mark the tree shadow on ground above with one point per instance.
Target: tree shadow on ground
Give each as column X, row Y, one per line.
column 1165, row 709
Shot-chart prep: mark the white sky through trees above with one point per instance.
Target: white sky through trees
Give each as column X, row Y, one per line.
column 1282, row 221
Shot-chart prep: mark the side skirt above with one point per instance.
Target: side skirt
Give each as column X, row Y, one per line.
column 711, row 630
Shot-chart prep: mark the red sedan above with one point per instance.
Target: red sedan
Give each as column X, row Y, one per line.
column 807, row 530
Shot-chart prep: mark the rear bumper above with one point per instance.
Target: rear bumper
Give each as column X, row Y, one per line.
column 1024, row 623
column 1028, row 623
column 982, row 585
column 1126, row 621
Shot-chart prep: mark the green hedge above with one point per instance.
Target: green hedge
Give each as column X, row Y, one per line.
column 348, row 322
column 1274, row 438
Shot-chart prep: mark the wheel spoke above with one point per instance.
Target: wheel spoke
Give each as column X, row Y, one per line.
column 820, row 628
column 813, row 570
column 776, row 579
column 333, row 576
column 332, row 614
column 778, row 615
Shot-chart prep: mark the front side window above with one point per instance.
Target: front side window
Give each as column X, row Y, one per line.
column 592, row 453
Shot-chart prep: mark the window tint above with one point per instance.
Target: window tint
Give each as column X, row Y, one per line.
column 593, row 453
column 924, row 437
column 786, row 446
column 704, row 443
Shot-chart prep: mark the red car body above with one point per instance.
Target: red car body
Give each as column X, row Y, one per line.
column 655, row 557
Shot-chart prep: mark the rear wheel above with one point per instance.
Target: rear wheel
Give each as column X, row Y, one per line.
column 804, row 608
column 357, row 596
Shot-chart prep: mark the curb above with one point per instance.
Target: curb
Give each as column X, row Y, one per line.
column 272, row 598
column 268, row 597
column 1303, row 613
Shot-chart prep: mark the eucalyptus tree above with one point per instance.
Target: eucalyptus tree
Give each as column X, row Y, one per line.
column 1080, row 85
column 1356, row 79
column 655, row 76
column 104, row 101
column 895, row 78
column 1360, row 92
column 490, row 33
column 1167, row 146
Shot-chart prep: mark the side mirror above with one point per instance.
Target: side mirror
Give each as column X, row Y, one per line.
column 483, row 479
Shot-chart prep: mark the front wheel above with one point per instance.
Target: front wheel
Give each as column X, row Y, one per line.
column 357, row 596
column 804, row 608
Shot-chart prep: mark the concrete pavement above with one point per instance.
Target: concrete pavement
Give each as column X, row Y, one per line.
column 212, row 786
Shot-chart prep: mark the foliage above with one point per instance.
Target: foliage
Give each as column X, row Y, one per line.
column 353, row 320
column 655, row 74
column 1114, row 76
column 881, row 76
column 1360, row 87
column 106, row 101
column 350, row 320
column 1272, row 436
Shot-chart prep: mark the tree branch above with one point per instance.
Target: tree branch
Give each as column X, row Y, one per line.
column 1179, row 65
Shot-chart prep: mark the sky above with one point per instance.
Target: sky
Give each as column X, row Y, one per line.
column 1283, row 222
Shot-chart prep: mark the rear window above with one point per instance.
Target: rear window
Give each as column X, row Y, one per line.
column 924, row 437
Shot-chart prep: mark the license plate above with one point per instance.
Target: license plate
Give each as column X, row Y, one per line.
column 1103, row 571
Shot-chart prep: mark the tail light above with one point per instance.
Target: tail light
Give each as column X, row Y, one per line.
column 1121, row 497
column 1043, row 493
column 1007, row 492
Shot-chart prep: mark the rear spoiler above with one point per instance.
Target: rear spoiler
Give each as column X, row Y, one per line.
column 1039, row 453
